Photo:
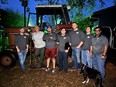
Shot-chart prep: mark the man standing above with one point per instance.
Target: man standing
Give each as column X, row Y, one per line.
column 21, row 43
column 50, row 39
column 77, row 40
column 86, row 59
column 98, row 50
column 62, row 52
column 39, row 45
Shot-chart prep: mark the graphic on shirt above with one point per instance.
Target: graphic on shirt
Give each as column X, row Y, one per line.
column 77, row 32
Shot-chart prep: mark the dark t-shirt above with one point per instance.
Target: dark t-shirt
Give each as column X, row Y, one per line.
column 76, row 37
column 21, row 41
column 50, row 43
column 87, row 42
column 62, row 41
column 98, row 44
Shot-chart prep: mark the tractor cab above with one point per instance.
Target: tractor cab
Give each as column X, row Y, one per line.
column 55, row 15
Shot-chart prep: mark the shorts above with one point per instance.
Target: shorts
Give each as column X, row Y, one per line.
column 50, row 53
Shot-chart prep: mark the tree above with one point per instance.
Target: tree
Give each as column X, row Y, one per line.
column 83, row 23
column 12, row 19
column 78, row 7
column 24, row 4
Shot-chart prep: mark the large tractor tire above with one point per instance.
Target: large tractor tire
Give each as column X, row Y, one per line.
column 7, row 59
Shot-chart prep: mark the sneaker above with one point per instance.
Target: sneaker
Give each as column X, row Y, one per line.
column 47, row 69
column 53, row 70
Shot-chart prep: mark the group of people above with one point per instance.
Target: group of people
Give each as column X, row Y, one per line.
column 87, row 49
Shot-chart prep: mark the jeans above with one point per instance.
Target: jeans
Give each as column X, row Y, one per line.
column 63, row 60
column 99, row 64
column 39, row 51
column 22, row 55
column 85, row 58
column 76, row 57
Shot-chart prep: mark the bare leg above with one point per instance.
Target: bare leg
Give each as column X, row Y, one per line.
column 53, row 62
column 48, row 62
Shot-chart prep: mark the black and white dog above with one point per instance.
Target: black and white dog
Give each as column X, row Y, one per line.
column 92, row 74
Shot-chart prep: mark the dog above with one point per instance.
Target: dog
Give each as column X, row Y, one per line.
column 90, row 73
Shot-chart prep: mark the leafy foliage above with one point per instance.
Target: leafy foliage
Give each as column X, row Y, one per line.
column 12, row 19
column 84, row 23
column 77, row 6
column 80, row 4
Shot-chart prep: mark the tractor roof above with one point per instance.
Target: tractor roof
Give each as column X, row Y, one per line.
column 51, row 9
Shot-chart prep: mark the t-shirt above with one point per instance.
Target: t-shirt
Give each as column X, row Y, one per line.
column 62, row 41
column 87, row 42
column 76, row 37
column 50, row 39
column 98, row 44
column 21, row 41
column 38, row 38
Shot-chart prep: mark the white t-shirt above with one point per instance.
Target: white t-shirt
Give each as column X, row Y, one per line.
column 38, row 38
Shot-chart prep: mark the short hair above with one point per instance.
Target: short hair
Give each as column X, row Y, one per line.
column 89, row 27
column 97, row 28
column 75, row 23
column 49, row 26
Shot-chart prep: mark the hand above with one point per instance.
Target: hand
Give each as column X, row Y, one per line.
column 66, row 51
column 26, row 50
column 18, row 50
column 78, row 46
column 103, row 57
column 90, row 53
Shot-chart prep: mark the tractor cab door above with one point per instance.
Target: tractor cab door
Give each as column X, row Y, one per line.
column 107, row 31
column 114, row 39
column 31, row 20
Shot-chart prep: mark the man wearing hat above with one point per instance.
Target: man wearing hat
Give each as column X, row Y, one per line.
column 98, row 51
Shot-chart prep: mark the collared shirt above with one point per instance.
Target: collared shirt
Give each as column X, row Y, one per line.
column 98, row 44
column 50, row 39
column 62, row 41
column 87, row 42
column 21, row 41
column 76, row 37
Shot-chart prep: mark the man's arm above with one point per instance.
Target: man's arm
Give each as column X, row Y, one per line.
column 82, row 39
column 17, row 48
column 90, row 51
column 104, row 51
column 27, row 47
column 105, row 41
column 16, row 43
column 80, row 44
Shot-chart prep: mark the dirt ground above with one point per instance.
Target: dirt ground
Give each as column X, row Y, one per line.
column 37, row 77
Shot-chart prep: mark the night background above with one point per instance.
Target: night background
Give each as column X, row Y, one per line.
column 16, row 13
column 80, row 9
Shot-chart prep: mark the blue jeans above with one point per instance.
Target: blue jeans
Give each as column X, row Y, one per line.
column 63, row 61
column 22, row 56
column 76, row 57
column 99, row 64
column 86, row 60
